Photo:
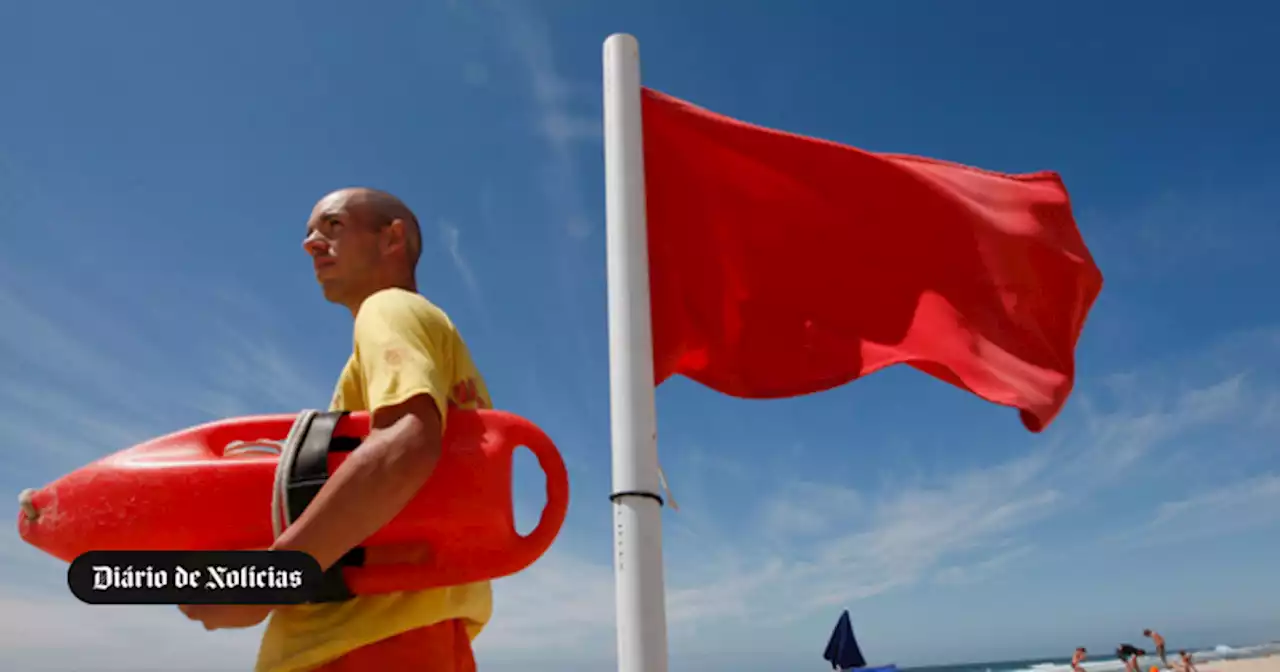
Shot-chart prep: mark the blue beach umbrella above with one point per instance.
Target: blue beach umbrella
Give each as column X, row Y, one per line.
column 842, row 651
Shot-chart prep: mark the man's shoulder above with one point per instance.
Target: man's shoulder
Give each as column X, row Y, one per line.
column 399, row 298
column 398, row 305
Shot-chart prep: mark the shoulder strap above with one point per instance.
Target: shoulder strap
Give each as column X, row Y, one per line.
column 309, row 474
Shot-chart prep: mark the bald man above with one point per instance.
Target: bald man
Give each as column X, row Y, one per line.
column 409, row 366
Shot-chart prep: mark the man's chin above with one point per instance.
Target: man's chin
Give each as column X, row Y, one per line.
column 333, row 292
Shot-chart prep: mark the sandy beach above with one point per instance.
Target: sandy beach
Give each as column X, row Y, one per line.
column 1269, row 663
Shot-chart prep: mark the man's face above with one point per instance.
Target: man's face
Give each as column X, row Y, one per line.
column 344, row 248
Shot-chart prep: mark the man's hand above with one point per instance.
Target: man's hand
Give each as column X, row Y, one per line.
column 219, row 616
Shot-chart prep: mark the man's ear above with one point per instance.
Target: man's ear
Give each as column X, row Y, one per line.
column 395, row 237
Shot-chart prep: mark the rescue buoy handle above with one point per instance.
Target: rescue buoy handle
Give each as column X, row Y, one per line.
column 557, row 486
column 257, row 446
column 524, row 550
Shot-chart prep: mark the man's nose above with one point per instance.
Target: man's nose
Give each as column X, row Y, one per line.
column 315, row 245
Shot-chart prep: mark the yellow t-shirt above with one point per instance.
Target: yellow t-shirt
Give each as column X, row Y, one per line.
column 404, row 346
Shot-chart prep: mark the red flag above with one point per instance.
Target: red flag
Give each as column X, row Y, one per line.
column 782, row 265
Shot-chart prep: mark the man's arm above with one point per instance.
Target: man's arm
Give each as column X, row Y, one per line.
column 373, row 485
column 403, row 357
column 402, row 349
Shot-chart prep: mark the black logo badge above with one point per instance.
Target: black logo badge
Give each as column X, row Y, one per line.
column 194, row 577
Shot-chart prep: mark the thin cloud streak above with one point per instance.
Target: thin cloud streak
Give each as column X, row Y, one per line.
column 451, row 239
column 1120, row 439
column 563, row 130
column 556, row 122
column 962, row 575
column 1249, row 504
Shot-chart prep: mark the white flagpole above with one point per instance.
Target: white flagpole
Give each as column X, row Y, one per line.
column 637, row 504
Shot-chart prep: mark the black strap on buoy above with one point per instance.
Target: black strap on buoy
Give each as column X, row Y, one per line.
column 309, row 474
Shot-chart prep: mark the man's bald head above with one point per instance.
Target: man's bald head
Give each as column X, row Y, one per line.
column 362, row 240
column 378, row 208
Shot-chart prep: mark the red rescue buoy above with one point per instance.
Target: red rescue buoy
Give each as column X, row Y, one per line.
column 216, row 487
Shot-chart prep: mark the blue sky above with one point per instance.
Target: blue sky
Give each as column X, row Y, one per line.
column 158, row 162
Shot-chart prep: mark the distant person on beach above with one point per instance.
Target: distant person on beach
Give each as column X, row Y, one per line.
column 1077, row 658
column 1130, row 654
column 1187, row 664
column 1159, row 642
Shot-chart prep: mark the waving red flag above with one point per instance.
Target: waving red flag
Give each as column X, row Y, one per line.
column 782, row 265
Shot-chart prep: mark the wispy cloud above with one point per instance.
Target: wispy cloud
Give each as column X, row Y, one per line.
column 1223, row 395
column 1119, row 438
column 565, row 116
column 1251, row 503
column 794, row 514
column 849, row 546
column 557, row 120
column 562, row 603
column 450, row 237
column 58, row 634
column 981, row 571
column 1169, row 231
column 62, row 400
column 255, row 375
column 1269, row 412
column 70, row 380
column 35, row 340
column 39, row 617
